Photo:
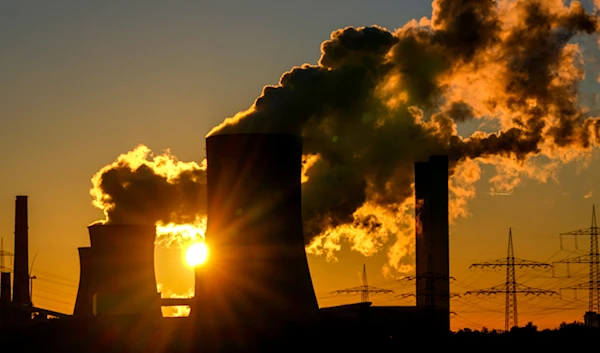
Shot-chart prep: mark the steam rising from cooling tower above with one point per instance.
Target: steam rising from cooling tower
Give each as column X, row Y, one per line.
column 141, row 188
column 378, row 101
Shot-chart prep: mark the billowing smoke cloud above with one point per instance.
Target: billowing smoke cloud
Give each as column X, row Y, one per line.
column 143, row 188
column 378, row 101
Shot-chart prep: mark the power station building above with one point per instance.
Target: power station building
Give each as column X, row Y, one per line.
column 257, row 282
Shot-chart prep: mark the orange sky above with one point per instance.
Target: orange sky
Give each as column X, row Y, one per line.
column 86, row 85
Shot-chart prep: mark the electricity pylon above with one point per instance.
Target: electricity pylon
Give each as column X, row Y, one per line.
column 592, row 259
column 365, row 290
column 511, row 288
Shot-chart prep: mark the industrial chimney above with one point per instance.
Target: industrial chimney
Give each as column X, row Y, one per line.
column 432, row 238
column 124, row 280
column 85, row 292
column 257, row 276
column 21, row 255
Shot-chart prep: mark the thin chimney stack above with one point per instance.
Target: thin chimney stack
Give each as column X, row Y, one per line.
column 21, row 255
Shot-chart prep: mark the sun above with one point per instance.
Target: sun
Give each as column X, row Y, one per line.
column 196, row 254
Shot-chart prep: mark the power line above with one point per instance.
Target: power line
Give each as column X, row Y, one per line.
column 592, row 259
column 365, row 290
column 510, row 288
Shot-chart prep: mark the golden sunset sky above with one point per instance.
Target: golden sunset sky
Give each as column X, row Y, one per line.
column 84, row 82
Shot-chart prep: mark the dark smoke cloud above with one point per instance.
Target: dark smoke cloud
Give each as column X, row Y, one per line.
column 460, row 112
column 379, row 101
column 140, row 188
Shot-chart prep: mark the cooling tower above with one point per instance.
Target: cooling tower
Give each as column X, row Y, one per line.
column 21, row 254
column 85, row 292
column 257, row 276
column 432, row 238
column 124, row 280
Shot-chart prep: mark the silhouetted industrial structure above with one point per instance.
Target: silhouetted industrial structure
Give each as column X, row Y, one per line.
column 21, row 253
column 365, row 290
column 5, row 289
column 134, row 274
column 511, row 288
column 17, row 309
column 118, row 272
column 258, row 278
column 432, row 238
column 84, row 303
column 5, row 282
column 432, row 278
column 257, row 286
column 593, row 260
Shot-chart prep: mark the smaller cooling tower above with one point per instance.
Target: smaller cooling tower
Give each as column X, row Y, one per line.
column 124, row 279
column 257, row 276
column 85, row 292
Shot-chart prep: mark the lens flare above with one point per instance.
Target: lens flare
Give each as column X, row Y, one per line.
column 196, row 254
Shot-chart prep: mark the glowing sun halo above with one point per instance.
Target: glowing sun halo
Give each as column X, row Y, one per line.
column 196, row 254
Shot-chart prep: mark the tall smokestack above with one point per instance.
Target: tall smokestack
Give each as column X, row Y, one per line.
column 258, row 273
column 423, row 230
column 432, row 258
column 21, row 256
column 85, row 292
column 124, row 280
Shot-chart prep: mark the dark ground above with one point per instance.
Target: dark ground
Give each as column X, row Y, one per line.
column 179, row 335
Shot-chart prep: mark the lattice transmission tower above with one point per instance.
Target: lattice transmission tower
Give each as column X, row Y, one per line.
column 511, row 288
column 592, row 259
column 365, row 290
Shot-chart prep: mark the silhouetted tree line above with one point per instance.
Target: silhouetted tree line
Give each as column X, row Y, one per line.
column 568, row 335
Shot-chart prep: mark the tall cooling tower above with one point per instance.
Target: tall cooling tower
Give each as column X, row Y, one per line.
column 85, row 292
column 432, row 238
column 257, row 276
column 124, row 279
column 21, row 254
